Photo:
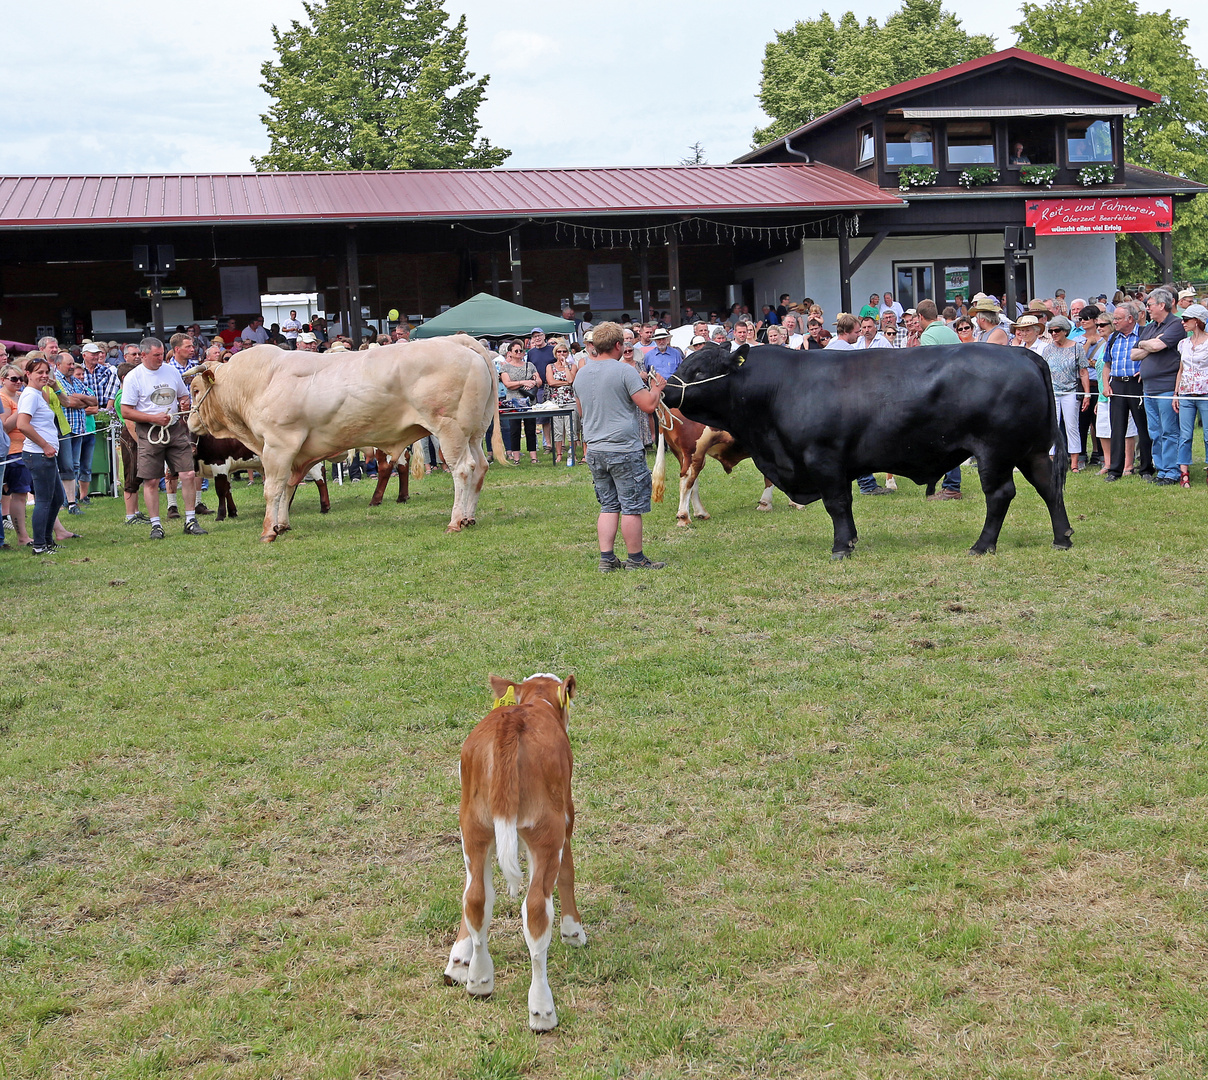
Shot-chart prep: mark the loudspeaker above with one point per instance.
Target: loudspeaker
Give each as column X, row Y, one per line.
column 165, row 258
column 142, row 258
column 1027, row 238
column 1011, row 238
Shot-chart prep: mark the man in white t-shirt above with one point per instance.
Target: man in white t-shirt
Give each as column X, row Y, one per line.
column 255, row 331
column 291, row 328
column 847, row 329
column 153, row 395
column 891, row 304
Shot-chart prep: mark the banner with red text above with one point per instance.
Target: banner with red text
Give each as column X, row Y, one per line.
column 1084, row 217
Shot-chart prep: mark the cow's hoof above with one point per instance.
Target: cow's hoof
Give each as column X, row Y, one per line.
column 233, row 513
column 452, row 528
column 268, row 538
column 765, row 507
column 573, row 932
column 989, row 549
column 702, row 516
column 682, row 522
column 325, row 509
column 467, row 522
column 543, row 1021
column 375, row 502
column 1063, row 545
column 845, row 553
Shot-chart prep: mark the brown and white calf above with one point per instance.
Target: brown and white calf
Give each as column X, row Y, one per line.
column 515, row 789
column 693, row 444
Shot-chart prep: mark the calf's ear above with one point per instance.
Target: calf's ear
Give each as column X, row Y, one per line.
column 504, row 691
column 740, row 354
column 567, row 692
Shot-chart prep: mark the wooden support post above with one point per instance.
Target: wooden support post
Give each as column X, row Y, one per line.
column 494, row 273
column 1167, row 259
column 354, row 288
column 844, row 266
column 644, row 285
column 673, row 275
column 514, row 259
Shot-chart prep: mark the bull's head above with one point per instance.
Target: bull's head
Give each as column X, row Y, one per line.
column 708, row 366
column 199, row 389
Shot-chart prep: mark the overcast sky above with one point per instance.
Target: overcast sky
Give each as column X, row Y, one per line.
column 140, row 86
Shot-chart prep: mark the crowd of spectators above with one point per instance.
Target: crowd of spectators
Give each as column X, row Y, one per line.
column 1130, row 378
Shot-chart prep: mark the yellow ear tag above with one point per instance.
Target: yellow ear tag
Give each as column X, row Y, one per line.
column 742, row 360
column 562, row 696
column 508, row 699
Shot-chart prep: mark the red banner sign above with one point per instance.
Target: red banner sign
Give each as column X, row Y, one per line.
column 1084, row 217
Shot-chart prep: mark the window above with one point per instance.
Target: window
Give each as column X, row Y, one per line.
column 865, row 154
column 970, row 142
column 913, row 284
column 1088, row 140
column 908, row 142
column 1031, row 142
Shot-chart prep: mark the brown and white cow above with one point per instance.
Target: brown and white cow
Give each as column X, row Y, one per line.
column 296, row 409
column 693, row 444
column 515, row 788
column 222, row 458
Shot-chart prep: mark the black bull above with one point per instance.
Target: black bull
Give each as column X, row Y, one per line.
column 814, row 421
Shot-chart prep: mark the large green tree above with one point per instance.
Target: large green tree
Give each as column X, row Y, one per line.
column 818, row 64
column 1113, row 38
column 374, row 84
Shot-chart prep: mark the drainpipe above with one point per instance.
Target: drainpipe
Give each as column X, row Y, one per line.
column 797, row 153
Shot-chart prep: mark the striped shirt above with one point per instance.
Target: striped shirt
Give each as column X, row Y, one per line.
column 102, row 384
column 1119, row 354
column 75, row 417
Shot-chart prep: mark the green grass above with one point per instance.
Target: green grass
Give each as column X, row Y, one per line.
column 914, row 814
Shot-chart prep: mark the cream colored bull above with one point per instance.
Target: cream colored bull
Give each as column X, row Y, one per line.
column 295, row 409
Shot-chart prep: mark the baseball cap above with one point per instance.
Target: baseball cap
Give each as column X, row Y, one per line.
column 536, row 330
column 93, row 347
column 587, row 337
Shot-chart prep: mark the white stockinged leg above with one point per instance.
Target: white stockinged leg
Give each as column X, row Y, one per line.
column 765, row 500
column 698, row 507
column 542, row 1016
column 458, row 970
column 573, row 932
column 481, row 981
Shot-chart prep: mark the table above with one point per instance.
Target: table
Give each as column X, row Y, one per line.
column 540, row 415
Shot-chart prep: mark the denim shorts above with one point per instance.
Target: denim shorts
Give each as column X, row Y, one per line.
column 17, row 478
column 621, row 479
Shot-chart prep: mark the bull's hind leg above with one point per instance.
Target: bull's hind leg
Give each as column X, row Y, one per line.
column 836, row 497
column 538, row 917
column 998, row 484
column 1048, row 478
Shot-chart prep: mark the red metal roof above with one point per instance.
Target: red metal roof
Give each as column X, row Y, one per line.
column 413, row 195
column 1010, row 54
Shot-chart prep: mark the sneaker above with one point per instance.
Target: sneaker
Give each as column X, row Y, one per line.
column 86, row 500
column 205, row 484
column 643, row 564
column 944, row 495
column 74, row 508
column 157, row 532
column 891, row 484
column 49, row 549
column 173, row 513
column 608, row 563
column 8, row 524
column 139, row 519
column 201, row 508
column 193, row 529
column 878, row 490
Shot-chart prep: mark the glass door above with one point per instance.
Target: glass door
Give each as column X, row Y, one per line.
column 912, row 283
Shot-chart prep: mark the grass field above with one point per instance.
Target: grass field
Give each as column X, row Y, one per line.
column 911, row 815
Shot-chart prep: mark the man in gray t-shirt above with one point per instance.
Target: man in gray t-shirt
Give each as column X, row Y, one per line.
column 608, row 392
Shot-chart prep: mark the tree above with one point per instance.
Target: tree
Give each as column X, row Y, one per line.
column 374, row 84
column 817, row 65
column 1148, row 50
column 698, row 155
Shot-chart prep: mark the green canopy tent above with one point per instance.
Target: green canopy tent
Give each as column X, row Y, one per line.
column 485, row 315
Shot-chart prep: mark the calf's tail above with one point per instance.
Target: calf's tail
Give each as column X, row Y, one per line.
column 658, row 477
column 505, row 805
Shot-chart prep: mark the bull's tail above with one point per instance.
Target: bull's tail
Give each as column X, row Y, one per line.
column 658, row 478
column 417, row 460
column 497, row 448
column 505, row 804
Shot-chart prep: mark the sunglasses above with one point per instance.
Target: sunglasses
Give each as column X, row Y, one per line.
column 1103, row 324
